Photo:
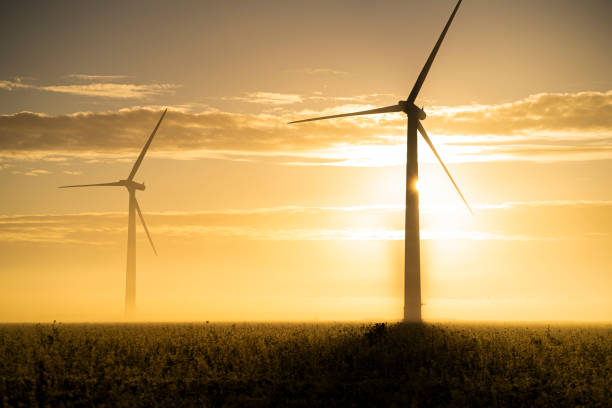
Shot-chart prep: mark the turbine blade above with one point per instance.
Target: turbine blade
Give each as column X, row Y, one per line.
column 386, row 109
column 117, row 183
column 144, row 225
column 419, row 82
column 428, row 140
column 145, row 148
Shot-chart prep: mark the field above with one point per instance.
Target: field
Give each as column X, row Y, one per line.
column 343, row 365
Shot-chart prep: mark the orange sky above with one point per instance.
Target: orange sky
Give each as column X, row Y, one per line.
column 257, row 220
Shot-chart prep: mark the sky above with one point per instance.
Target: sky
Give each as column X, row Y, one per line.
column 255, row 219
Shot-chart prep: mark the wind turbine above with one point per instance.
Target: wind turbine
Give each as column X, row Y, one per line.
column 131, row 186
column 412, row 267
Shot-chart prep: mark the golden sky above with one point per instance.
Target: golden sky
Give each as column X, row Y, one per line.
column 255, row 219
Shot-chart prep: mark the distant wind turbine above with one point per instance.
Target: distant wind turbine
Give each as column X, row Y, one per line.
column 412, row 272
column 131, row 186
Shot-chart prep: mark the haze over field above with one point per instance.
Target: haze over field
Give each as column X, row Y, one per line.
column 257, row 220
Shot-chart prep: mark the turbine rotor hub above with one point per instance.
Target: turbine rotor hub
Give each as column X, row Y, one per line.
column 132, row 185
column 411, row 109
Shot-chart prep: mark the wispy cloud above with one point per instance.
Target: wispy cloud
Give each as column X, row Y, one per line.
column 108, row 90
column 11, row 85
column 268, row 98
column 497, row 222
column 31, row 172
column 96, row 77
column 276, row 98
column 102, row 89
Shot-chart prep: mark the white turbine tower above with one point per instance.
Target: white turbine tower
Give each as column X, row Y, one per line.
column 412, row 262
column 131, row 186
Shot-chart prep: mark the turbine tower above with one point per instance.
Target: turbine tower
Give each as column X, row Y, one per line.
column 412, row 263
column 131, row 186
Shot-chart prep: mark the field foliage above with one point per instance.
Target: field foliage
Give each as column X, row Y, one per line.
column 341, row 365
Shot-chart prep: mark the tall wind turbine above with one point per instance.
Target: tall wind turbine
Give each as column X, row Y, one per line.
column 131, row 186
column 412, row 263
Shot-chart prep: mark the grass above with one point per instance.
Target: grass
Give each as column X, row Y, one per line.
column 306, row 365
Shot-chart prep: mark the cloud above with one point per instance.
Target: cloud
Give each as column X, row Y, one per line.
column 540, row 127
column 97, row 89
column 107, row 90
column 31, row 172
column 376, row 99
column 545, row 112
column 268, row 98
column 519, row 222
column 10, row 85
column 96, row 77
column 212, row 134
column 276, row 99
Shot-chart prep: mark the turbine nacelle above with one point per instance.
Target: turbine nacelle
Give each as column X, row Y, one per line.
column 411, row 109
column 132, row 185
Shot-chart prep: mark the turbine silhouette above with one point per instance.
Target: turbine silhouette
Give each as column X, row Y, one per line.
column 131, row 186
column 412, row 272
